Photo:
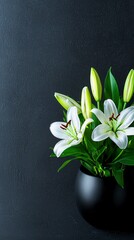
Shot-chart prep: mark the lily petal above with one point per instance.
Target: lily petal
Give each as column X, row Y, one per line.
column 100, row 132
column 126, row 118
column 99, row 114
column 120, row 139
column 110, row 108
column 129, row 131
column 57, row 131
column 124, row 113
column 62, row 145
column 72, row 115
column 87, row 121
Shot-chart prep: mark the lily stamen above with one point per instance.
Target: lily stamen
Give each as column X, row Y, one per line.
column 112, row 117
column 117, row 116
column 64, row 127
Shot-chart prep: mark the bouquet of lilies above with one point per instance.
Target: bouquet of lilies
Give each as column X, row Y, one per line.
column 98, row 129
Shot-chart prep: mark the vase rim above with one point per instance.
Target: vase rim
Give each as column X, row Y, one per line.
column 87, row 172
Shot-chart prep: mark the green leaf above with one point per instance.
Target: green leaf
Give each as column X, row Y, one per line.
column 89, row 167
column 111, row 89
column 52, row 155
column 90, row 145
column 128, row 160
column 120, row 104
column 97, row 154
column 64, row 116
column 64, row 164
column 74, row 151
column 119, row 176
column 131, row 143
column 82, row 161
column 112, row 150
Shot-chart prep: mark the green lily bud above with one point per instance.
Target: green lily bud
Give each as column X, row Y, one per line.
column 96, row 86
column 86, row 103
column 67, row 102
column 128, row 87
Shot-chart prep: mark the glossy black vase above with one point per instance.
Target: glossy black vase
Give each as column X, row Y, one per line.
column 103, row 203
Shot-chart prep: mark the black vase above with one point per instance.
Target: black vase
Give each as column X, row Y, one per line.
column 103, row 203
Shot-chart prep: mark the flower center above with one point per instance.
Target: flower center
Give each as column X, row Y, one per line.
column 113, row 120
column 71, row 131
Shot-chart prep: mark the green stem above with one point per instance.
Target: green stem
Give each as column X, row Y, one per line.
column 85, row 147
column 124, row 106
column 98, row 104
column 118, row 155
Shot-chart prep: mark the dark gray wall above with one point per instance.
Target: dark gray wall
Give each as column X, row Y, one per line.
column 48, row 46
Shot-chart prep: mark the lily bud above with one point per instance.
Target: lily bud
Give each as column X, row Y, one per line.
column 128, row 87
column 67, row 102
column 86, row 104
column 96, row 86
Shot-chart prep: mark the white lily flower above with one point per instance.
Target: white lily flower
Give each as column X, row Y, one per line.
column 70, row 133
column 113, row 124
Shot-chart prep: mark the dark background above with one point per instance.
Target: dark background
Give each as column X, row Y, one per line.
column 48, row 46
